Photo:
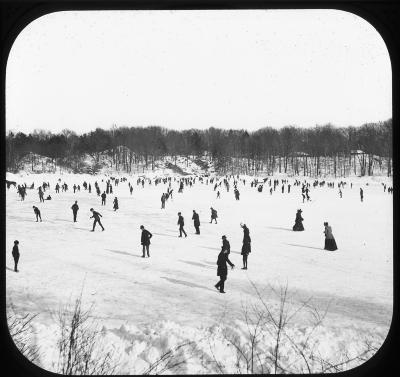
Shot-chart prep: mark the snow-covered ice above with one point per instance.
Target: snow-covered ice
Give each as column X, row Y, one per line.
column 172, row 293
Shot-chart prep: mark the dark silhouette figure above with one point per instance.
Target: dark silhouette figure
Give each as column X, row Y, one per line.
column 96, row 216
column 246, row 247
column 361, row 194
column 145, row 241
column 103, row 198
column 15, row 254
column 222, row 270
column 181, row 223
column 115, row 203
column 196, row 221
column 214, row 215
column 330, row 243
column 298, row 222
column 75, row 209
column 37, row 213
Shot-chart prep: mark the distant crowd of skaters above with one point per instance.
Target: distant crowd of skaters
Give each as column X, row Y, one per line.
column 223, row 257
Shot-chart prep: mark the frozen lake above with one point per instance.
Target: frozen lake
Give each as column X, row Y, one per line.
column 176, row 284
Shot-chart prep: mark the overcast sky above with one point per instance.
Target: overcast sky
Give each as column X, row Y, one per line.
column 195, row 69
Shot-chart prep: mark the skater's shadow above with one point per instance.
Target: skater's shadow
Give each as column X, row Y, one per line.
column 164, row 234
column 279, row 228
column 186, row 283
column 211, row 248
column 195, row 264
column 218, row 249
column 66, row 221
column 86, row 230
column 123, row 253
column 307, row 247
column 9, row 269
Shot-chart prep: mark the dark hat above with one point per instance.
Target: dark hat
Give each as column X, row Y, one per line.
column 223, row 236
column 179, row 213
column 91, row 209
column 325, row 223
column 16, row 241
column 299, row 210
column 141, row 227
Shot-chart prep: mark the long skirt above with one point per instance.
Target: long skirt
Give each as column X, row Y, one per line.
column 298, row 226
column 330, row 244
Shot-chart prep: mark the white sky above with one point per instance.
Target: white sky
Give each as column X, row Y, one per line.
column 195, row 69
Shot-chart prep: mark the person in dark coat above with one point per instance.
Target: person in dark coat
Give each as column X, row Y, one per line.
column 330, row 243
column 115, row 203
column 226, row 246
column 298, row 223
column 37, row 213
column 196, row 221
column 103, row 198
column 222, row 270
column 15, row 254
column 361, row 194
column 96, row 216
column 75, row 209
column 181, row 223
column 214, row 215
column 145, row 241
column 246, row 247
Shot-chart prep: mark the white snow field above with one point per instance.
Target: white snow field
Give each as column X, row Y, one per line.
column 146, row 305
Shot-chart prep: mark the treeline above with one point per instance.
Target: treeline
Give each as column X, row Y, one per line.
column 307, row 151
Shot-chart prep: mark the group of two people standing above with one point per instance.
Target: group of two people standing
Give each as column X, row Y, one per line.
column 330, row 243
column 223, row 257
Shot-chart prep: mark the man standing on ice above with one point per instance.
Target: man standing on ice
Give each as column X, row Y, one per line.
column 181, row 223
column 115, row 203
column 96, row 216
column 145, row 241
column 196, row 221
column 103, row 198
column 222, row 270
column 361, row 194
column 246, row 247
column 15, row 254
column 37, row 213
column 75, row 208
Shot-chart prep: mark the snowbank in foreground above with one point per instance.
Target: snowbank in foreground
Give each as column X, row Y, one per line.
column 213, row 349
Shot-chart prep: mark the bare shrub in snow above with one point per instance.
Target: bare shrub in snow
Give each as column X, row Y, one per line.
column 22, row 333
column 267, row 341
column 81, row 350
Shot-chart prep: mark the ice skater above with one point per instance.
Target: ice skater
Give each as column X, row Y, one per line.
column 181, row 223
column 246, row 247
column 96, row 216
column 103, row 198
column 214, row 215
column 37, row 213
column 222, row 270
column 116, row 204
column 15, row 254
column 75, row 209
column 298, row 223
column 196, row 221
column 330, row 243
column 145, row 241
column 361, row 194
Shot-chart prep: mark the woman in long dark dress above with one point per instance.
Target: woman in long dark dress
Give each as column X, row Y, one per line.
column 330, row 243
column 298, row 222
